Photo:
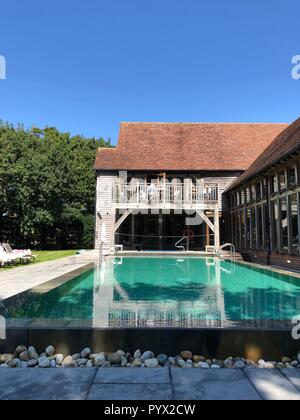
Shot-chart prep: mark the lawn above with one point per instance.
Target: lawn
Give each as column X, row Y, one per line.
column 43, row 256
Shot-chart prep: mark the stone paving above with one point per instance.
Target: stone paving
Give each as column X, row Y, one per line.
column 24, row 278
column 149, row 384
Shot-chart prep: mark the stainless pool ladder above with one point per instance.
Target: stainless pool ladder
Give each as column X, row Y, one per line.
column 227, row 245
column 181, row 247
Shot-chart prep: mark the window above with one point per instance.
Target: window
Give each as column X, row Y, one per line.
column 284, row 225
column 292, row 177
column 248, row 195
column 238, row 230
column 294, row 223
column 258, row 191
column 281, row 178
column 248, row 228
column 253, row 193
column 253, row 227
column 243, row 197
column 274, row 184
column 275, row 221
column 238, row 199
column 264, row 189
column 259, row 228
column 243, row 227
column 266, row 223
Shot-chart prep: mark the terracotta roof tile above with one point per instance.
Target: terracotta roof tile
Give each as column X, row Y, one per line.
column 284, row 144
column 187, row 146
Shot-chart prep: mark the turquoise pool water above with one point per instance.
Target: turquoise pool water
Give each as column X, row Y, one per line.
column 165, row 292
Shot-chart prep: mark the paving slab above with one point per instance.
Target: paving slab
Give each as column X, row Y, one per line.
column 210, row 384
column 21, row 279
column 272, row 385
column 293, row 376
column 45, row 384
column 133, row 376
column 138, row 392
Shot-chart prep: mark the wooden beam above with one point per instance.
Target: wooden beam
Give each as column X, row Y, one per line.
column 206, row 219
column 122, row 219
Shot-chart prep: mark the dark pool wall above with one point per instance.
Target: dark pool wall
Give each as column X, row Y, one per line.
column 215, row 343
column 291, row 262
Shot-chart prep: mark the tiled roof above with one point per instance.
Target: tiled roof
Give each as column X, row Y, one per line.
column 187, row 146
column 283, row 145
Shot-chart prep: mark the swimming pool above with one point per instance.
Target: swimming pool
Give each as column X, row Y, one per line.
column 171, row 292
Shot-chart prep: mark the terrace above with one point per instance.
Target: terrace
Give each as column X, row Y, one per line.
column 165, row 195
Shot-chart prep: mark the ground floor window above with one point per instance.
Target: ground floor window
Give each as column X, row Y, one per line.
column 259, row 228
column 294, row 223
column 162, row 231
column 284, row 225
column 253, row 227
column 274, row 223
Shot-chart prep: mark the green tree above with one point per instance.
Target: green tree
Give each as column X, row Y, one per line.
column 47, row 187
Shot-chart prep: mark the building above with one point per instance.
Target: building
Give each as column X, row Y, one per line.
column 264, row 202
column 162, row 187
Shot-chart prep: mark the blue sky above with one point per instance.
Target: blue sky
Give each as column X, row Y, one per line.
column 84, row 66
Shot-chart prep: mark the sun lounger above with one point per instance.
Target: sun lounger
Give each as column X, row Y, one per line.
column 6, row 259
column 17, row 254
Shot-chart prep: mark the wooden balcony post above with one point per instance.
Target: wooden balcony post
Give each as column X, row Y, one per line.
column 217, row 226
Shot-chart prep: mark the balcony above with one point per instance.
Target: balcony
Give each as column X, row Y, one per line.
column 165, row 196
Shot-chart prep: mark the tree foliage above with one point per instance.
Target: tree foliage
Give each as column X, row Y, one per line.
column 47, row 188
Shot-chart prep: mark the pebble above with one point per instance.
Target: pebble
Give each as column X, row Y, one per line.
column 81, row 362
column 198, row 359
column 29, row 358
column 137, row 354
column 33, row 353
column 203, row 365
column 6, row 357
column 21, row 349
column 137, row 363
column 24, row 356
column 32, row 363
column 186, row 355
column 151, row 363
column 44, row 362
column 12, row 363
column 59, row 359
column 114, row 358
column 68, row 362
column 123, row 361
column 162, row 359
column 172, row 361
column 239, row 364
column 50, row 350
column 147, row 355
column 99, row 360
column 85, row 354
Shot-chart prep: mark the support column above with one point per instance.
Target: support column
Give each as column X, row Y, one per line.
column 217, row 226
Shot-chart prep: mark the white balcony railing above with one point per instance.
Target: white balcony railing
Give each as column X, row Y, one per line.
column 161, row 194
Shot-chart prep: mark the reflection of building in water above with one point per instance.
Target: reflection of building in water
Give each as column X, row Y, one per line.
column 113, row 307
